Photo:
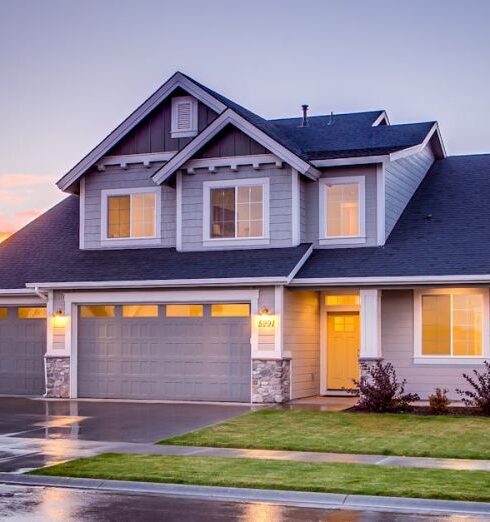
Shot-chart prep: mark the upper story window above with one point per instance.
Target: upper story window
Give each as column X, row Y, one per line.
column 184, row 117
column 342, row 210
column 451, row 323
column 236, row 210
column 129, row 214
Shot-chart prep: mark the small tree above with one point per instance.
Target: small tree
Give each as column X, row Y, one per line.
column 438, row 401
column 380, row 391
column 479, row 395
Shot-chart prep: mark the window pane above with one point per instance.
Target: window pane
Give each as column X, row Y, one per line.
column 31, row 313
column 4, row 313
column 97, row 311
column 223, row 212
column 230, row 310
column 436, row 325
column 343, row 210
column 250, row 211
column 184, row 310
column 342, row 300
column 140, row 310
column 143, row 215
column 118, row 216
column 467, row 325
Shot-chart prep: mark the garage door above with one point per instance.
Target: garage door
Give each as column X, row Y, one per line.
column 22, row 349
column 173, row 351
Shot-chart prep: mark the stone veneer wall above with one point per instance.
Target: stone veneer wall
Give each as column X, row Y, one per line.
column 271, row 380
column 57, row 377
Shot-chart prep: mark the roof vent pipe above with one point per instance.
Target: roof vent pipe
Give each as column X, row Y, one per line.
column 331, row 120
column 304, row 122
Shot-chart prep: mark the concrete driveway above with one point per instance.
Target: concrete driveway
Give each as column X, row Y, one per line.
column 36, row 433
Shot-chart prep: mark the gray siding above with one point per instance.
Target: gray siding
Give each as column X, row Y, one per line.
column 231, row 142
column 302, row 341
column 402, row 177
column 116, row 178
column 312, row 204
column 280, row 205
column 398, row 348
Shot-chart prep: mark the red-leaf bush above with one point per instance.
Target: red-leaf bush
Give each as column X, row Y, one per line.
column 380, row 391
column 479, row 395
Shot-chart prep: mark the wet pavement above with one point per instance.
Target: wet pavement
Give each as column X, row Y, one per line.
column 27, row 504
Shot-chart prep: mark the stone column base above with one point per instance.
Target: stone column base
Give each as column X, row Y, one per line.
column 366, row 363
column 270, row 380
column 57, row 376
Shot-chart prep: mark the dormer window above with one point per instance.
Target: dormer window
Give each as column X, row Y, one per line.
column 184, row 117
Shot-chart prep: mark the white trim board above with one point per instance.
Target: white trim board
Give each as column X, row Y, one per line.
column 296, row 208
column 177, row 80
column 391, row 280
column 232, row 162
column 129, row 159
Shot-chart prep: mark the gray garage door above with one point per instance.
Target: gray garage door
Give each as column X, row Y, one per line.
column 175, row 352
column 22, row 349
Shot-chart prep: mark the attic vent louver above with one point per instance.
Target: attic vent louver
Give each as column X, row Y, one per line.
column 184, row 117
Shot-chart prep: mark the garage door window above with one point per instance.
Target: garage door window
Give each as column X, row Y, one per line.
column 31, row 313
column 184, row 310
column 230, row 310
column 3, row 313
column 134, row 311
column 98, row 311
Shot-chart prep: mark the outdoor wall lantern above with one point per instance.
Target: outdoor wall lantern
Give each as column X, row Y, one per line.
column 59, row 319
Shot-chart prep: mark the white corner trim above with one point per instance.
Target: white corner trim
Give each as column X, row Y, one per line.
column 191, row 131
column 232, row 162
column 177, row 80
column 324, row 239
column 128, row 159
column 226, row 118
column 234, row 183
column 279, row 314
column 296, row 208
column 81, row 202
column 419, row 358
column 370, row 314
column 130, row 241
column 380, row 204
column 178, row 217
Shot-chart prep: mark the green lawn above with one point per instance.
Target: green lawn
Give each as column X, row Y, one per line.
column 275, row 474
column 384, row 434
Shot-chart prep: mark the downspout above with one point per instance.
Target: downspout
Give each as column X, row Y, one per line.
column 44, row 297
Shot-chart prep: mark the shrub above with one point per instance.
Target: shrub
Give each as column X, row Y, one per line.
column 438, row 401
column 380, row 391
column 479, row 395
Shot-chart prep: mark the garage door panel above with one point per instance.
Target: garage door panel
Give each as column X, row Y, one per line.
column 176, row 358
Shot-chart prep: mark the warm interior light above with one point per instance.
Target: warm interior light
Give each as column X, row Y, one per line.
column 59, row 319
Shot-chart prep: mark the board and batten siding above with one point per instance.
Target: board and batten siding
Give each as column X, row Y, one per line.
column 312, row 220
column 402, row 178
column 397, row 331
column 114, row 177
column 302, row 340
column 279, row 206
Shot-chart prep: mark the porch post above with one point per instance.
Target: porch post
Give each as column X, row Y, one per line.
column 370, row 349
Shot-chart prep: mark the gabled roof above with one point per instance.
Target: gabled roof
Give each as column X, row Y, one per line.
column 47, row 251
column 444, row 231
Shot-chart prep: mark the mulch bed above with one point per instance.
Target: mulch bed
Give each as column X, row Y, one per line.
column 425, row 410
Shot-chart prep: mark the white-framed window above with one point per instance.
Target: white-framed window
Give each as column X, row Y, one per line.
column 451, row 325
column 184, row 117
column 342, row 210
column 236, row 210
column 130, row 215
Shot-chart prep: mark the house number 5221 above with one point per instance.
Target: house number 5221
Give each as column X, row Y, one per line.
column 267, row 323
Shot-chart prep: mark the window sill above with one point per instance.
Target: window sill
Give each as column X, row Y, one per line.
column 341, row 240
column 475, row 361
column 135, row 242
column 237, row 241
column 183, row 134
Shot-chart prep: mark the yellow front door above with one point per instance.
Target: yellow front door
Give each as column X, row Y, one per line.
column 342, row 350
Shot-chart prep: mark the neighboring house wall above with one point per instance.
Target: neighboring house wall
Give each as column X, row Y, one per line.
column 312, row 227
column 402, row 177
column 153, row 133
column 397, row 324
column 114, row 177
column 279, row 206
column 302, row 341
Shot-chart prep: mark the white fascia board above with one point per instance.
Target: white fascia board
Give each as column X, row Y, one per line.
column 17, row 291
column 231, row 117
column 417, row 148
column 361, row 160
column 393, row 280
column 380, row 118
column 170, row 283
column 177, row 80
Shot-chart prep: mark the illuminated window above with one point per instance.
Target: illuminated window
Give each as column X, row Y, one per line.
column 230, row 310
column 140, row 310
column 131, row 215
column 343, row 210
column 97, row 311
column 184, row 310
column 343, row 323
column 4, row 313
column 37, row 312
column 342, row 300
column 452, row 325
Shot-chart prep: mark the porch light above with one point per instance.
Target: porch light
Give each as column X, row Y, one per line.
column 59, row 319
column 264, row 311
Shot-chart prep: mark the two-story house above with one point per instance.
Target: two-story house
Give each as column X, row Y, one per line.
column 205, row 253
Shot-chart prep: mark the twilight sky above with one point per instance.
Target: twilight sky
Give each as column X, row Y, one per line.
column 72, row 70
